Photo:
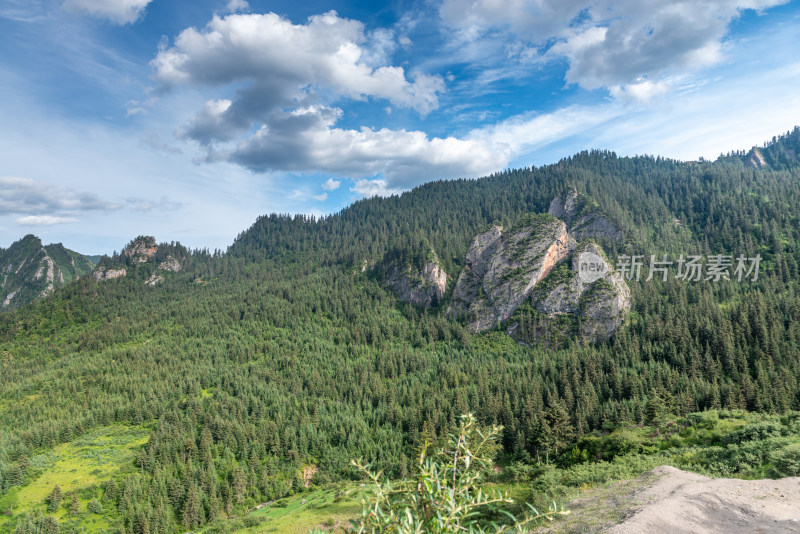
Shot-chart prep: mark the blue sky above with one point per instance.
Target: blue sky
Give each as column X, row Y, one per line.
column 188, row 119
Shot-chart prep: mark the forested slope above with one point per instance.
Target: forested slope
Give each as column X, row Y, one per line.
column 246, row 366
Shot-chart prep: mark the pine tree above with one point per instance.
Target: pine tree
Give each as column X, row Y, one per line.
column 239, row 484
column 54, row 499
column 94, row 506
column 193, row 514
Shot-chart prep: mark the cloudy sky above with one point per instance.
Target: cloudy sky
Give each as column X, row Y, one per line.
column 188, row 119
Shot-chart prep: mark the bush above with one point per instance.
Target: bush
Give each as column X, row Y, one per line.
column 786, row 462
column 94, row 507
column 444, row 496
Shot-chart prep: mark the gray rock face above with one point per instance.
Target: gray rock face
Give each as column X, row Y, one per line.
column 581, row 298
column 420, row 287
column 31, row 271
column 468, row 291
column 141, row 249
column 580, row 303
column 502, row 268
column 170, row 264
column 101, row 273
column 584, row 218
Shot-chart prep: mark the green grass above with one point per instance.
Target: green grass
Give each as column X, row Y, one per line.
column 85, row 462
column 331, row 509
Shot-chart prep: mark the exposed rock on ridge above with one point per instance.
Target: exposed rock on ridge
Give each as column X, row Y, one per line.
column 423, row 287
column 31, row 271
column 584, row 218
column 502, row 269
column 141, row 249
column 576, row 303
column 509, row 276
column 104, row 273
column 170, row 264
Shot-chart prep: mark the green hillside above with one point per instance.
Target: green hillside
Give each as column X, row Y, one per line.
column 261, row 371
column 32, row 271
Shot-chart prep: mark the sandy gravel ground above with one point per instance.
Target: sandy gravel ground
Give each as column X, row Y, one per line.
column 677, row 502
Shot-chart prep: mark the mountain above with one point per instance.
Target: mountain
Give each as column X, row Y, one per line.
column 156, row 259
column 32, row 271
column 250, row 375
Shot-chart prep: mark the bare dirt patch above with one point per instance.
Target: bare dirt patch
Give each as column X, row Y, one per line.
column 677, row 502
column 667, row 500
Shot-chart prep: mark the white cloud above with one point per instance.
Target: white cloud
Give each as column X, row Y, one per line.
column 237, row 5
column 23, row 195
column 285, row 74
column 116, row 11
column 372, row 188
column 523, row 133
column 299, row 194
column 44, row 220
column 641, row 91
column 331, row 184
column 283, row 62
column 615, row 44
column 307, row 141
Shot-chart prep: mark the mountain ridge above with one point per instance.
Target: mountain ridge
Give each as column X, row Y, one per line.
column 287, row 356
column 34, row 271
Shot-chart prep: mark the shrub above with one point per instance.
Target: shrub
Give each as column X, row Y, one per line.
column 786, row 462
column 444, row 496
column 94, row 507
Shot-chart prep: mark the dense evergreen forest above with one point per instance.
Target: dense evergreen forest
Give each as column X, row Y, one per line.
column 282, row 352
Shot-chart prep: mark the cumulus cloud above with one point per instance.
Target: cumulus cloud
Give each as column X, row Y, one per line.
column 307, row 140
column 44, row 220
column 373, row 188
column 384, row 161
column 282, row 63
column 288, row 77
column 43, row 204
column 616, row 44
column 237, row 5
column 23, row 195
column 116, row 11
column 331, row 184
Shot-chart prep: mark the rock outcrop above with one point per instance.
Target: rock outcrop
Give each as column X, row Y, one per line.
column 140, row 249
column 423, row 286
column 584, row 300
column 31, row 271
column 584, row 218
column 105, row 273
column 502, row 268
column 540, row 282
column 170, row 264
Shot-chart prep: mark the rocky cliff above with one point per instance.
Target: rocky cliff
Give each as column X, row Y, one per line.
column 420, row 282
column 155, row 260
column 584, row 299
column 30, row 270
column 584, row 218
column 140, row 249
column 502, row 268
column 540, row 282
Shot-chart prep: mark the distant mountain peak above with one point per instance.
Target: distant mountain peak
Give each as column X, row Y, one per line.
column 31, row 270
column 141, row 249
